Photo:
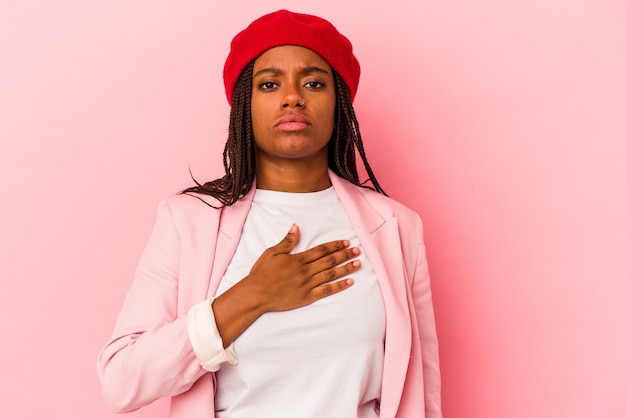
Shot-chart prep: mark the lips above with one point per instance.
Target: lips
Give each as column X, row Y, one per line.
column 292, row 122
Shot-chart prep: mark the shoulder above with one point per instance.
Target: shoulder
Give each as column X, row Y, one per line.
column 185, row 203
column 384, row 205
column 387, row 206
column 189, row 210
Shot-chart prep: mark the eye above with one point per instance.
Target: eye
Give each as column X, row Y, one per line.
column 268, row 85
column 314, row 85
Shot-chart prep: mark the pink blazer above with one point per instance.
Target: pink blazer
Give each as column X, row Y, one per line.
column 149, row 355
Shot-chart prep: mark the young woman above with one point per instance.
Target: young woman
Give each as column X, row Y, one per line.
column 285, row 288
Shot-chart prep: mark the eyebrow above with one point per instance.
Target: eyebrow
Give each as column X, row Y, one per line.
column 305, row 70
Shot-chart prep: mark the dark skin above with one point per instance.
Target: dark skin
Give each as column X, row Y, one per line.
column 291, row 80
column 293, row 104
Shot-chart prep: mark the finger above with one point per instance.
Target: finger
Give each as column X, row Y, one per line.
column 328, row 262
column 319, row 251
column 289, row 242
column 335, row 273
column 326, row 290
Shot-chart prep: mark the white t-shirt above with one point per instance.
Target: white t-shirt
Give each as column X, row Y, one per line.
column 321, row 360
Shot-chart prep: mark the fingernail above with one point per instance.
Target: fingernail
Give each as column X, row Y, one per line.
column 356, row 263
column 292, row 230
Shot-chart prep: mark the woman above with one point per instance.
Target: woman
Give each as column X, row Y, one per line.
column 285, row 288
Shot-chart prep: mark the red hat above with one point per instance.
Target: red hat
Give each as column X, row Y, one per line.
column 286, row 28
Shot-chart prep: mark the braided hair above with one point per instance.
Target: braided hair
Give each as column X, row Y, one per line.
column 239, row 156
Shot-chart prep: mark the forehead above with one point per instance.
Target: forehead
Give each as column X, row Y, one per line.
column 286, row 57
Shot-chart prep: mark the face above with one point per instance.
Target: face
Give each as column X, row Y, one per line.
column 292, row 105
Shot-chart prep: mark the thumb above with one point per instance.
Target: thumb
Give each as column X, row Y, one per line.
column 291, row 239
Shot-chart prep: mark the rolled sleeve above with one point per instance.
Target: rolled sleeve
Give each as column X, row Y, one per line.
column 205, row 338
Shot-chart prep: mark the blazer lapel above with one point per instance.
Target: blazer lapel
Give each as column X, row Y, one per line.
column 379, row 237
column 231, row 223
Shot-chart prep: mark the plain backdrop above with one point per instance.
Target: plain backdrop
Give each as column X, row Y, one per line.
column 503, row 123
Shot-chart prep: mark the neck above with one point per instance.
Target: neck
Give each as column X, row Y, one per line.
column 294, row 178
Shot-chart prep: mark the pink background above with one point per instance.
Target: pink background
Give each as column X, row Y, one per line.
column 503, row 123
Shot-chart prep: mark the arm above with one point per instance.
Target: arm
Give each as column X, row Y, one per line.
column 149, row 355
column 422, row 299
column 419, row 281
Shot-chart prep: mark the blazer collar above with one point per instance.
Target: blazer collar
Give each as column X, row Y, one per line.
column 360, row 210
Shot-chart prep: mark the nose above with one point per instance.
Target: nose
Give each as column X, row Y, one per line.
column 292, row 98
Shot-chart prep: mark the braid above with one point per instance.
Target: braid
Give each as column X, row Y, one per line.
column 346, row 137
column 239, row 156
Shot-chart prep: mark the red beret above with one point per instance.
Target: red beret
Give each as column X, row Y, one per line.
column 286, row 28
